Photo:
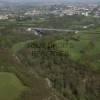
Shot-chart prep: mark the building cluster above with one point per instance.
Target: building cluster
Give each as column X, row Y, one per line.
column 33, row 13
column 71, row 10
column 56, row 10
column 7, row 16
column 97, row 12
column 3, row 17
column 66, row 10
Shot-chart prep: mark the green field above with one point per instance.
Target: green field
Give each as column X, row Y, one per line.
column 83, row 48
column 10, row 86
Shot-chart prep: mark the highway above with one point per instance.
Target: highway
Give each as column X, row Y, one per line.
column 36, row 29
column 54, row 29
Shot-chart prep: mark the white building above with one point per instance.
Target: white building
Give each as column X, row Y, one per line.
column 85, row 13
column 3, row 17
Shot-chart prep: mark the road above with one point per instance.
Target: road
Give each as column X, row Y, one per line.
column 54, row 29
column 65, row 30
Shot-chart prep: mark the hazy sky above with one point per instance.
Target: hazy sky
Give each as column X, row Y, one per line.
column 48, row 0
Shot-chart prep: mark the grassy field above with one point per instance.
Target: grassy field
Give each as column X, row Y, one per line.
column 84, row 48
column 10, row 86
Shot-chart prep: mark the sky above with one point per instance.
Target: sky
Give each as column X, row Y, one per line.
column 47, row 0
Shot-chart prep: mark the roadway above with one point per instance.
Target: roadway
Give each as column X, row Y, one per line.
column 54, row 29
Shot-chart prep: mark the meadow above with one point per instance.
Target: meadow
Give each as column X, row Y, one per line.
column 10, row 86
